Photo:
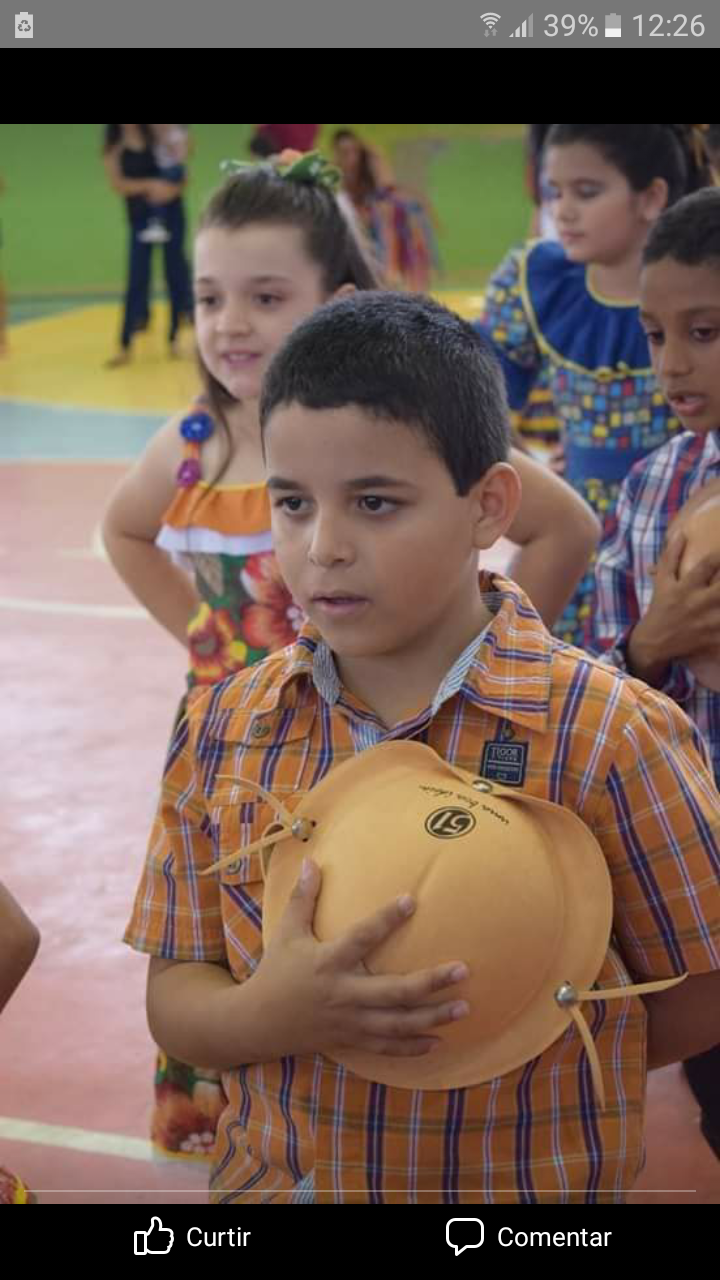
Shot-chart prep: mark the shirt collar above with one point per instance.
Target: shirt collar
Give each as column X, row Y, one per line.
column 711, row 452
column 506, row 669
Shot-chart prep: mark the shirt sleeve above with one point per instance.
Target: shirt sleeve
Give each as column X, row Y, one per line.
column 176, row 915
column 617, row 610
column 659, row 827
column 506, row 324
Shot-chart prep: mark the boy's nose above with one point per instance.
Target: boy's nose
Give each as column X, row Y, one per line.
column 328, row 546
column 674, row 359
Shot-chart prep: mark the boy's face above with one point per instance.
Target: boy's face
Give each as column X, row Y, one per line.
column 680, row 312
column 370, row 536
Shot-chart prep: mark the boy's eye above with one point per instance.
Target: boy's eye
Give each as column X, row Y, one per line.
column 373, row 503
column 704, row 333
column 268, row 299
column 291, row 505
column 206, row 300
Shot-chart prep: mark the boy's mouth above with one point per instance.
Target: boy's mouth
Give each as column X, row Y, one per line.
column 337, row 605
column 687, row 403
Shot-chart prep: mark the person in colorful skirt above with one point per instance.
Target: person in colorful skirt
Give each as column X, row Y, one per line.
column 399, row 223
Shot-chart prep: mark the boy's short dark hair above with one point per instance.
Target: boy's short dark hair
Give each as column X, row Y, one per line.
column 404, row 358
column 689, row 232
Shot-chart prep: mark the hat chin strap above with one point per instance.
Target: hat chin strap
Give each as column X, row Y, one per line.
column 570, row 999
column 284, row 828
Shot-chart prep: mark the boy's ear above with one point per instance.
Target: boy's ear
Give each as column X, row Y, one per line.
column 496, row 498
column 343, row 292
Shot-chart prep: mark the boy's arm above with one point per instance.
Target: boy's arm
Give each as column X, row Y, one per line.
column 684, row 1020
column 618, row 630
column 659, row 827
column 304, row 996
column 557, row 533
column 683, row 617
column 199, row 1014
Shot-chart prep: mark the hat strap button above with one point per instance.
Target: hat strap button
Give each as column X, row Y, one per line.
column 302, row 829
column 482, row 784
column 566, row 995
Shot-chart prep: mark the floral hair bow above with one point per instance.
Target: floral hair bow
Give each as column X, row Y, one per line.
column 309, row 167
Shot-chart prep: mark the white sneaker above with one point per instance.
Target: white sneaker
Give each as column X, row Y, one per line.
column 154, row 233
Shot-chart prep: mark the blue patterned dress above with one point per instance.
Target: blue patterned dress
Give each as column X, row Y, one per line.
column 549, row 327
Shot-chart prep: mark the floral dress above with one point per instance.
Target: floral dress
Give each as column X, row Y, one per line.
column 220, row 534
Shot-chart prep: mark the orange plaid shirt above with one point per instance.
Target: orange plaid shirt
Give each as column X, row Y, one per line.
column 527, row 710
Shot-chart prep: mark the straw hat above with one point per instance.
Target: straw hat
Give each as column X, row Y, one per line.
column 513, row 885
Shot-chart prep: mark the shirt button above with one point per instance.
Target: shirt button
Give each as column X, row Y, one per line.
column 260, row 730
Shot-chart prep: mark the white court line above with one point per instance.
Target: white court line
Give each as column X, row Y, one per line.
column 66, row 462
column 20, row 605
column 97, row 544
column 60, row 1135
column 96, row 550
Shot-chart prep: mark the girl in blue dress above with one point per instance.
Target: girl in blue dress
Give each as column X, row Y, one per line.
column 565, row 313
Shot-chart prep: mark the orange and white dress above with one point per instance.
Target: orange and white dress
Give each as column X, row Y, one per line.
column 221, row 533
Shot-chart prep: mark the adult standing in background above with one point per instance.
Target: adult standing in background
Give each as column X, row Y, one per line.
column 133, row 172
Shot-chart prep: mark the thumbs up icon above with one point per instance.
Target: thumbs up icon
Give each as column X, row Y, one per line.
column 158, row 1239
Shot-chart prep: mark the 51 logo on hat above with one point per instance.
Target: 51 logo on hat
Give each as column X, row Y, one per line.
column 447, row 824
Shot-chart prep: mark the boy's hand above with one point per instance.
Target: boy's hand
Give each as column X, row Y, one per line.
column 316, row 997
column 684, row 614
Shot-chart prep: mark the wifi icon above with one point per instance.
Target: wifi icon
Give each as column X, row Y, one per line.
column 490, row 19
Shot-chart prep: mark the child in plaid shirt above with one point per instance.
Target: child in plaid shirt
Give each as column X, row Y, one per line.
column 385, row 432
column 649, row 620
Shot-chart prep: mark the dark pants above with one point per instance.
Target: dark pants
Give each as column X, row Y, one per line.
column 703, row 1074
column 177, row 273
column 138, row 285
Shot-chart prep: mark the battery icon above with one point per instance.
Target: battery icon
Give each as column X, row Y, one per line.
column 613, row 24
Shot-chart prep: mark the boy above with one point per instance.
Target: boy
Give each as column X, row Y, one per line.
column 650, row 621
column 385, row 431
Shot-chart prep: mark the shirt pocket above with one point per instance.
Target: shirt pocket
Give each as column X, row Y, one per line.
column 235, row 826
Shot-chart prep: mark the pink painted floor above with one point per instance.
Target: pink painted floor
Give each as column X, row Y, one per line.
column 88, row 706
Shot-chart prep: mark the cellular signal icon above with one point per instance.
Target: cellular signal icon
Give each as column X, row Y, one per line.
column 525, row 29
column 490, row 19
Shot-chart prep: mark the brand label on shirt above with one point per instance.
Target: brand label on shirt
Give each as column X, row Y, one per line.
column 505, row 762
